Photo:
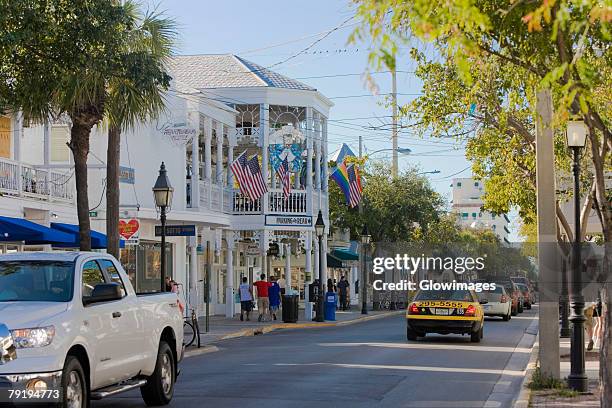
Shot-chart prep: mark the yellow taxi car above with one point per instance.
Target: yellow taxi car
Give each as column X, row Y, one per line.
column 445, row 312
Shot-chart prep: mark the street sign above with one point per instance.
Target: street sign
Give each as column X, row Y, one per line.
column 273, row 250
column 93, row 214
column 176, row 230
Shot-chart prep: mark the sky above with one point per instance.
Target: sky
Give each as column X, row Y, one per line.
column 273, row 32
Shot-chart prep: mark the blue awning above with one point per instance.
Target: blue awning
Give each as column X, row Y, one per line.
column 345, row 254
column 21, row 230
column 98, row 240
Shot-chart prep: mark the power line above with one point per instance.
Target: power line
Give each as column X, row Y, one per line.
column 351, row 74
column 370, row 95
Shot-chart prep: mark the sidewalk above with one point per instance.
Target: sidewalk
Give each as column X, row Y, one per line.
column 563, row 397
column 222, row 328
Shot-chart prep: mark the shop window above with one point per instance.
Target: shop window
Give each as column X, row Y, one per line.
column 143, row 265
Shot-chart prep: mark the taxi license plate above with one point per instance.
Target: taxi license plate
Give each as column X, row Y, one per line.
column 442, row 312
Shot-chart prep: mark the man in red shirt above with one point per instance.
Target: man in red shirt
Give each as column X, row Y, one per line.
column 263, row 303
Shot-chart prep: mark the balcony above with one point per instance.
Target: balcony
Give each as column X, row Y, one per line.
column 294, row 204
column 25, row 180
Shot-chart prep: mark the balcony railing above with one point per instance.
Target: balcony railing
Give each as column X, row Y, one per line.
column 26, row 180
column 244, row 205
column 295, row 203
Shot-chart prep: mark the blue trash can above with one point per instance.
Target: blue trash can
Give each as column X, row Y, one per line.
column 330, row 306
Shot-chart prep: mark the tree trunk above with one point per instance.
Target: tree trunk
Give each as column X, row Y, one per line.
column 113, row 153
column 79, row 144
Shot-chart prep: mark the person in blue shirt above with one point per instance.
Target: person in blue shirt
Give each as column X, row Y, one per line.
column 274, row 292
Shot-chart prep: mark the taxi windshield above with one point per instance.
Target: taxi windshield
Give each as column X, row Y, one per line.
column 459, row 295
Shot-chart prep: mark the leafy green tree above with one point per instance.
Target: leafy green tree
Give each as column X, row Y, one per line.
column 392, row 207
column 135, row 96
column 57, row 58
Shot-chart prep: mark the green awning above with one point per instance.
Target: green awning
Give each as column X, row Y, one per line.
column 333, row 262
column 345, row 254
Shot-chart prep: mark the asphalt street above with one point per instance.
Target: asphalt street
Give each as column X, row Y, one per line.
column 369, row 364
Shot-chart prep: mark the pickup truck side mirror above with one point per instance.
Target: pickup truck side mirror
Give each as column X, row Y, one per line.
column 104, row 292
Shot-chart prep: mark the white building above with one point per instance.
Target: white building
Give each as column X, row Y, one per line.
column 467, row 204
column 218, row 107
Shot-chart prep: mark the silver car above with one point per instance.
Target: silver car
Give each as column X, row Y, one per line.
column 498, row 303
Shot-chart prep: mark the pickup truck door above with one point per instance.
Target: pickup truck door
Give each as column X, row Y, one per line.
column 107, row 332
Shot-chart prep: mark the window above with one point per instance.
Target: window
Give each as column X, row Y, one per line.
column 479, row 215
column 494, row 227
column 112, row 273
column 60, row 135
column 92, row 275
column 473, row 215
column 475, row 184
column 5, row 136
column 492, row 216
column 464, row 215
column 458, row 184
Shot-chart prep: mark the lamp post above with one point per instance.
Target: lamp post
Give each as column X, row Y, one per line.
column 162, row 191
column 365, row 240
column 402, row 150
column 577, row 379
column 320, row 230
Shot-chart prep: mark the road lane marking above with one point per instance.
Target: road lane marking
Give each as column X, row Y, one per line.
column 515, row 373
column 431, row 346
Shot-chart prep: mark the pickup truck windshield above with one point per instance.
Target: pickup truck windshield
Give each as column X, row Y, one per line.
column 36, row 281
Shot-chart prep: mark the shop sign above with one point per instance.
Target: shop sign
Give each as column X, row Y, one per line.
column 288, row 220
column 252, row 249
column 127, row 175
column 176, row 230
column 129, row 230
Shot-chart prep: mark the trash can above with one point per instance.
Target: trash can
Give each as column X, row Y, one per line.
column 330, row 306
column 290, row 308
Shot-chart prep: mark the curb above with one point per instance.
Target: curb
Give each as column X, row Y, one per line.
column 279, row 326
column 524, row 396
column 502, row 393
column 200, row 351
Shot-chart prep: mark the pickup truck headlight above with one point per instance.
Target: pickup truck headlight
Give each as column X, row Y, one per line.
column 36, row 337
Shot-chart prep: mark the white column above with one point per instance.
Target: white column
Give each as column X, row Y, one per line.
column 195, row 161
column 264, row 131
column 208, row 148
column 308, row 247
column 230, row 157
column 17, row 148
column 309, row 146
column 264, row 251
column 47, row 143
column 324, row 153
column 219, row 166
column 229, row 289
column 318, row 164
column 353, row 279
column 193, row 272
column 287, row 267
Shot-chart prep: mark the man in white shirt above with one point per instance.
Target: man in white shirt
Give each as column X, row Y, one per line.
column 246, row 299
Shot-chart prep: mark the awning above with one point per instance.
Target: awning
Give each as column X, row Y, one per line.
column 21, row 230
column 98, row 240
column 345, row 254
column 333, row 262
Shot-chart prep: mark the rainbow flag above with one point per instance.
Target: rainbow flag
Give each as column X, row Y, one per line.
column 340, row 176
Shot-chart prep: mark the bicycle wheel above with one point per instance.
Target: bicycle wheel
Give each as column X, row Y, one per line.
column 189, row 334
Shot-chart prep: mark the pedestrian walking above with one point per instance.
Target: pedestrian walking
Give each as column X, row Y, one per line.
column 274, row 292
column 343, row 291
column 246, row 299
column 263, row 303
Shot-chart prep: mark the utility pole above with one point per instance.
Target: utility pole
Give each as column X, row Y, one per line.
column 547, row 237
column 394, row 166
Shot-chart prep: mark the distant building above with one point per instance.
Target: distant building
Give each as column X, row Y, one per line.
column 467, row 204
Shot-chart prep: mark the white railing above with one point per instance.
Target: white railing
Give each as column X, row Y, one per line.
column 216, row 197
column 26, row 180
column 295, row 203
column 243, row 205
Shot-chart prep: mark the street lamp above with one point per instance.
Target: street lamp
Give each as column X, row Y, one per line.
column 162, row 191
column 320, row 230
column 577, row 379
column 365, row 240
column 402, row 150
column 429, row 172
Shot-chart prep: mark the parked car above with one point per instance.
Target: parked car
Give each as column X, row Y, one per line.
column 516, row 303
column 498, row 303
column 525, row 281
column 526, row 295
column 71, row 323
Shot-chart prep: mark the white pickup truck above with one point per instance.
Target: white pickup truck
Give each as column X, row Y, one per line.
column 73, row 329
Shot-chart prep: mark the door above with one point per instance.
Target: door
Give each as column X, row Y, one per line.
column 105, row 330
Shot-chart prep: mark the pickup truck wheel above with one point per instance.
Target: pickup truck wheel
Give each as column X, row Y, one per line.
column 74, row 385
column 160, row 385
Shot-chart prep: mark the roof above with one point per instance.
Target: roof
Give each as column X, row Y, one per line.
column 227, row 71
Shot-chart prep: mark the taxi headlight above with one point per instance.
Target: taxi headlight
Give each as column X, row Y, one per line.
column 35, row 337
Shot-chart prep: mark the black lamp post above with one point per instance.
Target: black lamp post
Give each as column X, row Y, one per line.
column 365, row 240
column 162, row 191
column 577, row 379
column 566, row 330
column 320, row 230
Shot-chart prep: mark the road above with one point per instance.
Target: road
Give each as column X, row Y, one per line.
column 369, row 364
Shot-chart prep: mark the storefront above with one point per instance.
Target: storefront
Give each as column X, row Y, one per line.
column 142, row 262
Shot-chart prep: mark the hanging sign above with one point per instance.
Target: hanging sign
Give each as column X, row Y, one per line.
column 129, row 230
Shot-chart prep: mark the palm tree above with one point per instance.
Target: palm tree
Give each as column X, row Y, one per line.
column 135, row 97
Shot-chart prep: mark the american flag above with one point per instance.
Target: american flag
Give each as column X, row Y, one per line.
column 248, row 174
column 354, row 186
column 283, row 174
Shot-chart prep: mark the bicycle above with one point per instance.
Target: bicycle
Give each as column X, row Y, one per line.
column 191, row 328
